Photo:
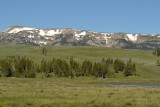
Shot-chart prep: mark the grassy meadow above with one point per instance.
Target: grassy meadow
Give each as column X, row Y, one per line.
column 82, row 91
column 145, row 60
column 78, row 92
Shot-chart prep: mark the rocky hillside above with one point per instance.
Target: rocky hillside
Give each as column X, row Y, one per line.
column 56, row 37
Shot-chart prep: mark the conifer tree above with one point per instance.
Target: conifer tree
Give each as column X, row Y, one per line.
column 43, row 66
column 6, row 67
column 44, row 51
column 158, row 62
column 130, row 68
column 86, row 68
column 74, row 67
column 156, row 52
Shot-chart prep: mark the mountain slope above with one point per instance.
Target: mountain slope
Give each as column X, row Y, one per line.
column 56, row 37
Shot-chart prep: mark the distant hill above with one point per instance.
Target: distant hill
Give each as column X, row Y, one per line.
column 58, row 37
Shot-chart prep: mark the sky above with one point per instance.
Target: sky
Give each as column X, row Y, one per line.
column 130, row 16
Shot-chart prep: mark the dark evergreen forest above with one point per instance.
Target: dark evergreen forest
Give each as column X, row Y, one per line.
column 23, row 67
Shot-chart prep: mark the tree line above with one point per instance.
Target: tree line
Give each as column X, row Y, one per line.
column 23, row 67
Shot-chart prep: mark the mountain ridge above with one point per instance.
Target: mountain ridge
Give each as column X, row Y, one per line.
column 70, row 36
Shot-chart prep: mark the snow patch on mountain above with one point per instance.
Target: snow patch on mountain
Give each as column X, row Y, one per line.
column 41, row 32
column 31, row 36
column 83, row 33
column 126, row 39
column 42, row 43
column 16, row 30
column 30, row 31
column 132, row 37
column 106, row 34
column 53, row 32
column 77, row 35
column 153, row 34
column 49, row 32
column 106, row 38
column 46, row 37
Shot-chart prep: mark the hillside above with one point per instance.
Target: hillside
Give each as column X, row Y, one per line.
column 73, row 37
column 145, row 60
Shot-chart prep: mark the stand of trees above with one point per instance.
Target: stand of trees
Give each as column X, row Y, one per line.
column 22, row 67
column 17, row 67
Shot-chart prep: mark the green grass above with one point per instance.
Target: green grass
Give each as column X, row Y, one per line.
column 82, row 91
column 145, row 61
column 78, row 92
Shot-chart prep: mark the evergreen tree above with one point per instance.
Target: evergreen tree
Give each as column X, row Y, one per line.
column 134, row 68
column 86, row 68
column 158, row 62
column 44, row 66
column 110, row 72
column 118, row 66
column 74, row 67
column 156, row 52
column 24, row 67
column 6, row 67
column 99, row 70
column 130, row 69
column 44, row 51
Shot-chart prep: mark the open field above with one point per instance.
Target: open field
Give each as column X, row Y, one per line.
column 78, row 92
column 82, row 91
column 145, row 61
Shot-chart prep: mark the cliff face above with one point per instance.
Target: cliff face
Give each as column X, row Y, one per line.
column 54, row 37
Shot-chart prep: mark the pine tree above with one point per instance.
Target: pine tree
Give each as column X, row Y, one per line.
column 110, row 71
column 118, row 66
column 44, row 51
column 74, row 67
column 86, row 68
column 130, row 69
column 6, row 67
column 156, row 52
column 158, row 62
column 43, row 66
